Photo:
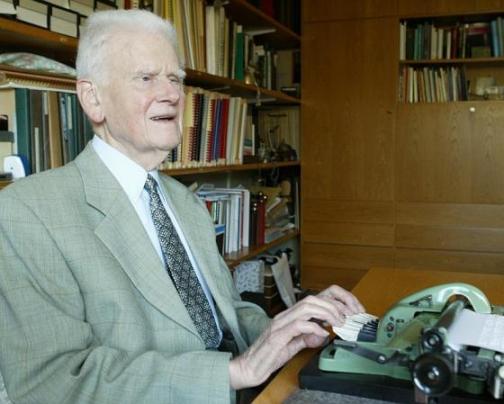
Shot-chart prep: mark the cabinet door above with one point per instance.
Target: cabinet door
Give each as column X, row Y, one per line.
column 450, row 152
column 349, row 89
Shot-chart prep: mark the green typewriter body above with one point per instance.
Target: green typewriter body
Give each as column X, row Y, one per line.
column 410, row 343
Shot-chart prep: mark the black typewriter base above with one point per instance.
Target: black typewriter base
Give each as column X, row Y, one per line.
column 372, row 386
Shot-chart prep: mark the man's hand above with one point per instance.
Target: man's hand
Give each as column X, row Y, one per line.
column 290, row 332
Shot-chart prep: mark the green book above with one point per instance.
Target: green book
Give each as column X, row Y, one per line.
column 23, row 127
column 240, row 61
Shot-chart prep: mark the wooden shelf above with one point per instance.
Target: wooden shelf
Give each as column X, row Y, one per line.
column 468, row 61
column 194, row 77
column 230, row 168
column 448, row 17
column 245, row 13
column 3, row 184
column 237, row 88
column 235, row 258
column 16, row 35
column 35, row 79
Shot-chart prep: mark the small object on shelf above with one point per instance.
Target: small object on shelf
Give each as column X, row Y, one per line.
column 285, row 152
column 482, row 83
column 251, row 159
column 14, row 165
column 494, row 93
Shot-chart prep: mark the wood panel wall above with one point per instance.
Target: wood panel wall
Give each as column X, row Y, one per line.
column 386, row 184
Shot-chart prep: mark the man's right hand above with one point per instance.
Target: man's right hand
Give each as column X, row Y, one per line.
column 290, row 332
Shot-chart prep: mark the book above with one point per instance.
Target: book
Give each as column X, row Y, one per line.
column 285, row 68
column 239, row 67
column 33, row 12
column 7, row 7
column 8, row 122
column 55, row 138
column 64, row 22
column 478, row 40
column 59, row 3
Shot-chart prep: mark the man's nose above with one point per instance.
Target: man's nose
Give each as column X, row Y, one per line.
column 169, row 91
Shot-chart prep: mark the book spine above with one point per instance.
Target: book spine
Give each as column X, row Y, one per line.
column 23, row 126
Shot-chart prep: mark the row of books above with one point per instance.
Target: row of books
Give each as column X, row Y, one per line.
column 429, row 84
column 62, row 16
column 215, row 129
column 247, row 217
column 208, row 39
column 49, row 127
column 211, row 42
column 230, row 211
column 426, row 41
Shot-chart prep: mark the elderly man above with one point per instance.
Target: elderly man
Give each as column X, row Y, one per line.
column 112, row 289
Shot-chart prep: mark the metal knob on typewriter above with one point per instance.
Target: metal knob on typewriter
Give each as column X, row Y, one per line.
column 432, row 375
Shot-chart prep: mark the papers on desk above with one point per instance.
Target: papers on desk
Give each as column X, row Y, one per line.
column 477, row 329
column 283, row 280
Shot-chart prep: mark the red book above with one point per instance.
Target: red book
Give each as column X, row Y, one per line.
column 223, row 128
column 267, row 7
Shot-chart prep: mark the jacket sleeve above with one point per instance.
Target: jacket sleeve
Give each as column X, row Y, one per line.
column 48, row 352
column 252, row 319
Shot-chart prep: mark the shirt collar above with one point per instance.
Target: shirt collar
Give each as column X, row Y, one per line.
column 130, row 175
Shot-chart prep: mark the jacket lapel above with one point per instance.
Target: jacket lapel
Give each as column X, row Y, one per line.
column 205, row 254
column 124, row 235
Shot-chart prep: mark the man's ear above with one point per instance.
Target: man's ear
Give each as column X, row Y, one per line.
column 88, row 97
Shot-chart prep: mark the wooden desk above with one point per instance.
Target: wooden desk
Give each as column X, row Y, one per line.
column 379, row 289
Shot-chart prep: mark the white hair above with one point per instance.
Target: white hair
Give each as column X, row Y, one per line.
column 96, row 38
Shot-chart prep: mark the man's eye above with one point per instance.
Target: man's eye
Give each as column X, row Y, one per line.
column 146, row 78
column 174, row 80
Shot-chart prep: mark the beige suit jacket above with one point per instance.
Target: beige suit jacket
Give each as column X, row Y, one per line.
column 87, row 311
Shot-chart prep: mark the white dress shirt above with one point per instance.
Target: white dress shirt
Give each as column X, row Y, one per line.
column 132, row 178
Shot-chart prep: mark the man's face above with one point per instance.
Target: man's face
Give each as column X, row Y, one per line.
column 142, row 98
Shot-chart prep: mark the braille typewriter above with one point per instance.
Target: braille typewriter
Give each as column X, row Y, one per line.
column 407, row 355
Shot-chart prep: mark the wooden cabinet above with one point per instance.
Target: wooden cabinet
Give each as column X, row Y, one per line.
column 387, row 183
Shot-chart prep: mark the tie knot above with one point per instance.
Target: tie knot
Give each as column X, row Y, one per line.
column 150, row 184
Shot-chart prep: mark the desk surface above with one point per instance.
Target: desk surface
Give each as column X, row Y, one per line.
column 379, row 289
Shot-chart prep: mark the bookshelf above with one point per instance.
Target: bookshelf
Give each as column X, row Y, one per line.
column 18, row 36
column 444, row 58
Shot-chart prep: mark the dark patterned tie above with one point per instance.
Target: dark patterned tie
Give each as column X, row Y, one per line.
column 181, row 270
